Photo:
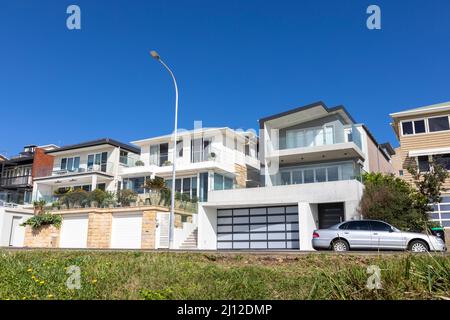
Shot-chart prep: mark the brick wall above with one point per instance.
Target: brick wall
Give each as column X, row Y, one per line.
column 42, row 163
column 241, row 175
column 44, row 237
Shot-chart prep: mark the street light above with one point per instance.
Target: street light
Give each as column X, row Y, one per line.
column 156, row 56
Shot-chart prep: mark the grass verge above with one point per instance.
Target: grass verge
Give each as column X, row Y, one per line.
column 42, row 274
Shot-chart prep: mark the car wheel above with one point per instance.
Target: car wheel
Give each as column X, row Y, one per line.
column 418, row 246
column 340, row 245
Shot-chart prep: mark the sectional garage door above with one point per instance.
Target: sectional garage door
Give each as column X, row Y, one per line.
column 74, row 231
column 264, row 228
column 126, row 231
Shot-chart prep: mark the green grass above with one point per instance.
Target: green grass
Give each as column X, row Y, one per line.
column 41, row 274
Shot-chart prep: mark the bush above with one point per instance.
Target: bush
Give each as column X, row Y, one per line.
column 110, row 199
column 139, row 163
column 75, row 197
column 97, row 195
column 185, row 197
column 44, row 219
column 126, row 196
column 392, row 200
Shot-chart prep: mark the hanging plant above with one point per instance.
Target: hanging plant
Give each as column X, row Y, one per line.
column 45, row 219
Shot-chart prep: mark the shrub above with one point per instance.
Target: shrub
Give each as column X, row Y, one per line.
column 97, row 195
column 139, row 163
column 75, row 197
column 110, row 199
column 185, row 197
column 155, row 184
column 44, row 219
column 392, row 200
column 126, row 196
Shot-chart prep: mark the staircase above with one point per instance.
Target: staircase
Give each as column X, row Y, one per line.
column 191, row 241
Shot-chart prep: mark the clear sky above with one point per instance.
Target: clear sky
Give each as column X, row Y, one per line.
column 236, row 61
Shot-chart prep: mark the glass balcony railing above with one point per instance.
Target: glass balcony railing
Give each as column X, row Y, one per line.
column 107, row 167
column 129, row 161
column 15, row 181
column 319, row 136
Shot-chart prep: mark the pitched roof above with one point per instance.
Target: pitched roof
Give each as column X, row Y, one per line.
column 444, row 106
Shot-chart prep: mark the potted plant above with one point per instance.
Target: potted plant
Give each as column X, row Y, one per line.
column 139, row 163
column 167, row 163
column 212, row 156
column 127, row 197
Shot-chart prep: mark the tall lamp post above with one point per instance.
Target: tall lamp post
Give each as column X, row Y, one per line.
column 156, row 56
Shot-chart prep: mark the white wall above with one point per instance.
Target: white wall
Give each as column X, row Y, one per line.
column 6, row 216
column 207, row 228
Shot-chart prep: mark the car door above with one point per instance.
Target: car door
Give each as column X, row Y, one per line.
column 358, row 234
column 386, row 237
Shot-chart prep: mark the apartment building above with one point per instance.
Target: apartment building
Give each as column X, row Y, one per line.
column 312, row 159
column 88, row 165
column 18, row 172
column 424, row 133
column 206, row 159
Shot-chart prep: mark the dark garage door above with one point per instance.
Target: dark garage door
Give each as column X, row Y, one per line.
column 330, row 214
column 258, row 228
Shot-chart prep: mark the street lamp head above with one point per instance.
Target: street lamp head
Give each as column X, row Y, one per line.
column 155, row 55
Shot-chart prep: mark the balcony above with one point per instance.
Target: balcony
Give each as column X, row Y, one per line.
column 19, row 181
column 317, row 144
column 338, row 171
column 107, row 168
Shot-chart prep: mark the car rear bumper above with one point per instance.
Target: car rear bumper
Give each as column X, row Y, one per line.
column 318, row 243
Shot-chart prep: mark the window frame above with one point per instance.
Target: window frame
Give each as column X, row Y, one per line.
column 427, row 125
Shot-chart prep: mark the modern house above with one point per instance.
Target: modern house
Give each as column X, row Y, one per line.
column 312, row 159
column 17, row 173
column 206, row 159
column 424, row 133
column 88, row 165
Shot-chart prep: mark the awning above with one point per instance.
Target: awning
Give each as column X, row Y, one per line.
column 428, row 152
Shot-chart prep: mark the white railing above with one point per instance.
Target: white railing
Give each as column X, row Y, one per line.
column 107, row 167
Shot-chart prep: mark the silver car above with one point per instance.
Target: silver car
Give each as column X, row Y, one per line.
column 373, row 235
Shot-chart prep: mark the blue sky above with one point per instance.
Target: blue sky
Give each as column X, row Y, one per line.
column 236, row 61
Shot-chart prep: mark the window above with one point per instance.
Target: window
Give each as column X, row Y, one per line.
column 97, row 161
column 358, row 225
column 407, row 128
column 423, row 163
column 400, row 173
column 438, row 124
column 159, row 154
column 380, row 226
column 419, row 126
column 70, row 164
column 285, row 178
column 333, row 173
column 344, row 226
column 123, row 158
column 180, row 149
column 443, row 160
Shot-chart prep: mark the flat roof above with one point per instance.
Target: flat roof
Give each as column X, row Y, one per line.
column 98, row 142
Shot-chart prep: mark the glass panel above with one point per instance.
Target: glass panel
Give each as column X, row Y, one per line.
column 321, row 175
column 329, row 135
column 285, row 178
column 277, row 245
column 241, row 245
column 180, row 148
column 423, row 163
column 187, row 186
column 293, row 209
column 445, row 207
column 292, row 218
column 63, row 164
column 258, row 245
column 276, row 227
column 90, row 162
column 224, row 245
column 258, row 211
column 228, row 183
column 419, row 126
column 196, row 150
column 275, row 210
column 178, row 185
column 203, row 187
column 438, row 124
column 194, row 187
column 258, row 236
column 224, row 229
column 272, row 219
column 333, row 173
column 224, row 213
column 297, row 177
column 224, row 220
column 241, row 236
column 221, row 237
column 276, row 236
column 163, row 153
column 240, row 219
column 243, row 228
column 308, row 175
column 218, row 182
column 318, row 137
column 258, row 219
column 154, row 150
column 407, row 128
column 240, row 212
column 309, row 136
column 70, row 164
column 258, row 228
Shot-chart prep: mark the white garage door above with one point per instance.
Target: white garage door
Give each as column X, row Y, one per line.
column 126, row 231
column 17, row 234
column 74, row 231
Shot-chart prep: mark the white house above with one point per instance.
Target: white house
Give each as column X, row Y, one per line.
column 88, row 165
column 206, row 159
column 312, row 159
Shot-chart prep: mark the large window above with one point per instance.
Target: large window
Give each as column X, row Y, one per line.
column 200, row 149
column 438, row 124
column 320, row 173
column 419, row 126
column 70, row 164
column 184, row 186
column 441, row 211
column 310, row 137
column 222, row 182
column 159, row 154
column 444, row 160
column 97, row 161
